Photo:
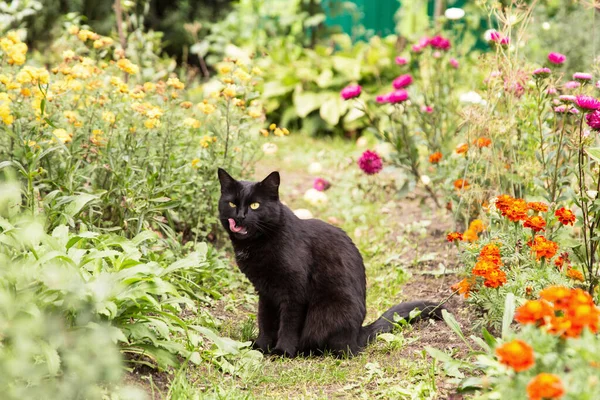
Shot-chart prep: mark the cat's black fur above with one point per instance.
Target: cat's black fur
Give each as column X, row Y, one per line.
column 309, row 276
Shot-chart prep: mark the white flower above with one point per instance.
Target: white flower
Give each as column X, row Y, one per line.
column 269, row 148
column 362, row 142
column 471, row 97
column 546, row 26
column 487, row 35
column 303, row 213
column 314, row 197
column 425, row 179
column 314, row 168
column 454, row 13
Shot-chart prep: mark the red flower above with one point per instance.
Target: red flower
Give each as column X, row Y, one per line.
column 370, row 162
column 565, row 216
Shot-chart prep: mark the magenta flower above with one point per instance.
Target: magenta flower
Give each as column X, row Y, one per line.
column 382, row 99
column 351, row 91
column 495, row 36
column 427, row 109
column 397, row 96
column 401, row 61
column 541, row 73
column 504, row 41
column 440, row 43
column 593, row 120
column 402, row 81
column 454, row 63
column 572, row 85
column 567, row 98
column 582, row 76
column 557, row 58
column 587, row 103
column 321, row 184
column 370, row 162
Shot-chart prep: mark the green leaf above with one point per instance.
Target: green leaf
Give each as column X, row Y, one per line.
column 307, row 102
column 78, row 202
column 509, row 314
column 453, row 324
column 332, row 110
column 52, row 358
column 594, row 153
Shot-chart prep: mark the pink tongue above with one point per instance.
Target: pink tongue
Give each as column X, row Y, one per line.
column 232, row 226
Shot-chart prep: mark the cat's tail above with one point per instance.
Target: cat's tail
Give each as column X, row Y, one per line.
column 385, row 323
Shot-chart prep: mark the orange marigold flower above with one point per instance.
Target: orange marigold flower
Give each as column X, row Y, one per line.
column 464, row 287
column 435, row 157
column 484, row 268
column 461, row 184
column 470, row 236
column 533, row 312
column 495, row 278
column 558, row 295
column 545, row 386
column 560, row 262
column 477, row 225
column 516, row 211
column 491, row 252
column 516, row 354
column 454, row 236
column 538, row 206
column 575, row 274
column 462, row 148
column 503, row 202
column 543, row 247
column 565, row 216
column 483, row 142
column 536, row 223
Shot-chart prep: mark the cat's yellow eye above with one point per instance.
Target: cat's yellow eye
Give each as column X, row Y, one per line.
column 231, row 205
column 254, row 206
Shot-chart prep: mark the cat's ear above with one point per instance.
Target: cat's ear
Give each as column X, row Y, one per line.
column 270, row 185
column 227, row 182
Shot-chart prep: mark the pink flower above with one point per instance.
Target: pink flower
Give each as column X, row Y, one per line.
column 402, row 81
column 566, row 109
column 499, row 39
column 397, row 96
column 439, row 42
column 556, row 58
column 383, row 98
column 321, row 184
column 551, row 90
column 504, row 41
column 598, row 85
column 437, row 54
column 567, row 98
column 587, row 103
column 401, row 61
column 416, row 48
column 424, row 41
column 495, row 36
column 427, row 109
column 582, row 76
column 541, row 73
column 370, row 162
column 454, row 63
column 572, row 85
column 593, row 120
column 350, row 92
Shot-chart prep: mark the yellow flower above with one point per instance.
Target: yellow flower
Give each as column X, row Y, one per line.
column 5, row 79
column 175, row 83
column 103, row 42
column 86, row 34
column 206, row 140
column 186, row 104
column 73, row 30
column 63, row 135
column 13, row 36
column 264, row 132
column 127, row 66
column 278, row 132
column 206, row 108
column 192, row 122
column 272, row 127
column 149, row 87
column 25, row 92
column 242, row 75
column 285, row 131
column 238, row 102
column 195, row 161
column 152, row 123
column 224, row 68
column 256, row 71
column 68, row 55
column 109, row 117
column 229, row 91
column 5, row 114
column 97, row 137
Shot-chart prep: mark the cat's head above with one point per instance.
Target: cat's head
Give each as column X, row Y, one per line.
column 249, row 209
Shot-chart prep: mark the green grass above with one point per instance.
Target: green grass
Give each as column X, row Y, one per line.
column 358, row 204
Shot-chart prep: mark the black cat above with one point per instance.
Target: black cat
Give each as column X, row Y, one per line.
column 309, row 276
